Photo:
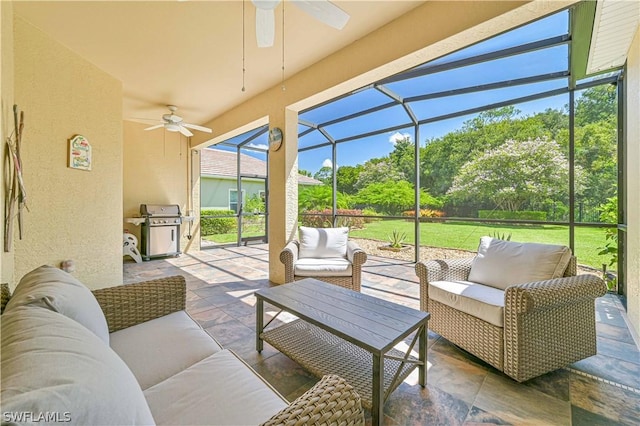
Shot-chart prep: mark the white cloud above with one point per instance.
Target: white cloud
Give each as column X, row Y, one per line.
column 259, row 146
column 397, row 136
column 327, row 163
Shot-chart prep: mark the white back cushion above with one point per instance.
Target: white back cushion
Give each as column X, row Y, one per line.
column 323, row 242
column 55, row 289
column 501, row 264
column 52, row 364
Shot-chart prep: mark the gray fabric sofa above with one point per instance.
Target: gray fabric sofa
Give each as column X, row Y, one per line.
column 132, row 355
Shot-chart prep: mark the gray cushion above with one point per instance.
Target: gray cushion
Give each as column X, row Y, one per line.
column 160, row 348
column 323, row 242
column 52, row 364
column 59, row 291
column 219, row 390
column 325, row 267
column 501, row 264
column 480, row 301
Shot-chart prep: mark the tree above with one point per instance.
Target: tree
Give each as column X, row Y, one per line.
column 304, row 173
column 324, row 175
column 347, row 177
column 402, row 158
column 381, row 170
column 514, row 174
column 319, row 197
column 596, row 104
column 391, row 197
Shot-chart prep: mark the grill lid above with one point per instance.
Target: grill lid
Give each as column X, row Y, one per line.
column 159, row 210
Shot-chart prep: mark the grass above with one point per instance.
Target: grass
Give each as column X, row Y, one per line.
column 466, row 235
column 251, row 229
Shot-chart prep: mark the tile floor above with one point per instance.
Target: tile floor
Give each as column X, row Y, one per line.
column 461, row 389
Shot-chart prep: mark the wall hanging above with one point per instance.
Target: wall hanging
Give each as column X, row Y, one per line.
column 79, row 153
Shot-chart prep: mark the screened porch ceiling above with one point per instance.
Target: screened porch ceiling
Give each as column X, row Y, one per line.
column 542, row 59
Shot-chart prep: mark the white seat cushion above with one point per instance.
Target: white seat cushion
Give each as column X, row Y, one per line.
column 327, row 267
column 52, row 364
column 323, row 242
column 59, row 291
column 481, row 301
column 219, row 390
column 502, row 263
column 158, row 349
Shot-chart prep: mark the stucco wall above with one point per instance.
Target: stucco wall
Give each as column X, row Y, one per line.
column 156, row 171
column 633, row 183
column 73, row 214
column 6, row 121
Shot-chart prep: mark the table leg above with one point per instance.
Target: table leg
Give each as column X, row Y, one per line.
column 377, row 394
column 259, row 322
column 422, row 354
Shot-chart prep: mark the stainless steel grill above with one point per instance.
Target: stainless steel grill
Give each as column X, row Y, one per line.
column 160, row 230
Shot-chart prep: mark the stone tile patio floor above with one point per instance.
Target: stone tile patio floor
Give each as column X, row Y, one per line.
column 461, row 389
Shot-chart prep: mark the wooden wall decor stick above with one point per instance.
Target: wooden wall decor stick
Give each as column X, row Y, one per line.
column 16, row 192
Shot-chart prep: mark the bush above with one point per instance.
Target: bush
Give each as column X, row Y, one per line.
column 512, row 215
column 424, row 213
column 372, row 213
column 323, row 218
column 217, row 225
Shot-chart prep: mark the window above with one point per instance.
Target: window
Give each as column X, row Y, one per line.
column 233, row 199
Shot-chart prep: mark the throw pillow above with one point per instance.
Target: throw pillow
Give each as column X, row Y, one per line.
column 501, row 264
column 55, row 370
column 57, row 290
column 323, row 242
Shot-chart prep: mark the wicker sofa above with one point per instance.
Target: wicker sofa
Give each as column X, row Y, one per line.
column 325, row 254
column 131, row 355
column 518, row 307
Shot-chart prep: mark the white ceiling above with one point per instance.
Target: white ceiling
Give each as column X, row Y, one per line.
column 189, row 53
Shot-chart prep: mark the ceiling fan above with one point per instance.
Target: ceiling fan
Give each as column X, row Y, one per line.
column 323, row 10
column 174, row 123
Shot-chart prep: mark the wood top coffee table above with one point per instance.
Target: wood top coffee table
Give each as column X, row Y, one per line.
column 343, row 332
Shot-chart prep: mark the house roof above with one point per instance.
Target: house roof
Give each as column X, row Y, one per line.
column 220, row 163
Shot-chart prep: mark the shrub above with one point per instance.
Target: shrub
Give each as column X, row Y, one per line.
column 512, row 215
column 371, row 213
column 323, row 218
column 425, row 213
column 217, row 225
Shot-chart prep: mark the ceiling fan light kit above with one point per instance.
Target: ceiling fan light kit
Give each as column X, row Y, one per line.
column 173, row 123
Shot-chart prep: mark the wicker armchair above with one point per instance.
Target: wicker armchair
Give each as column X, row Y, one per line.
column 355, row 255
column 547, row 324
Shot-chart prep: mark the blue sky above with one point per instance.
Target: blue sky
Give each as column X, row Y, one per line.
column 524, row 65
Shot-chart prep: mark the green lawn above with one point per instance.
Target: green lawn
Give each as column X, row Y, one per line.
column 252, row 228
column 465, row 236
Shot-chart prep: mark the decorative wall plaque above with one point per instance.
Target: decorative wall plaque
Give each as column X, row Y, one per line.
column 79, row 153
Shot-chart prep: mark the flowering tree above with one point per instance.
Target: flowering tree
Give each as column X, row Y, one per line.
column 514, row 174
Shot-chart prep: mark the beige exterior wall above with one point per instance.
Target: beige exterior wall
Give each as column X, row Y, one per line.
column 73, row 214
column 6, row 121
column 156, row 171
column 403, row 43
column 633, row 183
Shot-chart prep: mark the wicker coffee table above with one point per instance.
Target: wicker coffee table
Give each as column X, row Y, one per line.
column 343, row 332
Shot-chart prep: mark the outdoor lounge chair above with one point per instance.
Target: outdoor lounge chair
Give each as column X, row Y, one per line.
column 517, row 306
column 325, row 254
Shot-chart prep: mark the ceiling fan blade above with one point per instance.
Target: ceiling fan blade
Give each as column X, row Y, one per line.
column 185, row 131
column 157, row 126
column 265, row 27
column 196, row 127
column 324, row 11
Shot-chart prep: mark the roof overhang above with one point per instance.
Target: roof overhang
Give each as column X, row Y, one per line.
column 601, row 32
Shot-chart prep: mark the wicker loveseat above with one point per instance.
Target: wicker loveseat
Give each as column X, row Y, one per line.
column 325, row 254
column 131, row 355
column 519, row 320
